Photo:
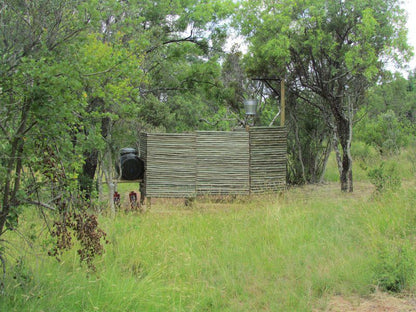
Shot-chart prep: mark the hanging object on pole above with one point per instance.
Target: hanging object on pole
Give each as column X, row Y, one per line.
column 250, row 106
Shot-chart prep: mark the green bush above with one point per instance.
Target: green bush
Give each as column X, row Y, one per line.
column 386, row 133
column 385, row 177
column 363, row 152
column 411, row 156
column 395, row 269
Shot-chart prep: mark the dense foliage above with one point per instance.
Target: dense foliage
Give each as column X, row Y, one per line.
column 387, row 122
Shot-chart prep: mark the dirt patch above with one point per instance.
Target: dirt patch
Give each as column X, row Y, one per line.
column 379, row 301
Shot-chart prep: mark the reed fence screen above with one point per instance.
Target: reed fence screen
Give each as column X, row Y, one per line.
column 213, row 162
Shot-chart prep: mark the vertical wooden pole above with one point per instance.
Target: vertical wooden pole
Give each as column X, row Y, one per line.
column 282, row 102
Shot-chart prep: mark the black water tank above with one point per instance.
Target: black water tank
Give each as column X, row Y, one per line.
column 132, row 167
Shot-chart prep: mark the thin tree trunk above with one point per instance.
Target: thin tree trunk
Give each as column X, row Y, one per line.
column 110, row 183
column 88, row 172
column 14, row 169
column 337, row 152
column 91, row 157
column 100, row 180
column 300, row 154
column 7, row 193
column 350, row 124
column 325, row 161
column 344, row 134
column 3, row 269
column 346, row 174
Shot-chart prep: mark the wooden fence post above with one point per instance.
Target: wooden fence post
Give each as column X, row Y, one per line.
column 282, row 102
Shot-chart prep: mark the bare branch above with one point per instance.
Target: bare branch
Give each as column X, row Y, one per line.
column 3, row 129
column 102, row 72
column 3, row 266
column 190, row 38
column 274, row 118
column 209, row 122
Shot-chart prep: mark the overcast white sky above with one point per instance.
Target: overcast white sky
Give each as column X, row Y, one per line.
column 410, row 7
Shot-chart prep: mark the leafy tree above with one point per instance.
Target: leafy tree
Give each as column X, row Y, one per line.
column 310, row 141
column 42, row 100
column 333, row 49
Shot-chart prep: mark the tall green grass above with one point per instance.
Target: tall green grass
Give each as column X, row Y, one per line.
column 272, row 254
column 282, row 252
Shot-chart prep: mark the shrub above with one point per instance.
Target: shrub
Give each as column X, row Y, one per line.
column 395, row 269
column 386, row 133
column 385, row 177
column 411, row 156
column 363, row 152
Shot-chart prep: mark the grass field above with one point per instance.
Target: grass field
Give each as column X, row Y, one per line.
column 292, row 251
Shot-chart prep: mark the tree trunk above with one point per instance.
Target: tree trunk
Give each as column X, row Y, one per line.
column 343, row 125
column 108, row 173
column 337, row 151
column 86, row 179
column 300, row 154
column 91, row 162
column 100, row 174
column 325, row 162
column 14, row 169
column 346, row 173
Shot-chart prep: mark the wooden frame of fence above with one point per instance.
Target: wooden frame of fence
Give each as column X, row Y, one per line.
column 213, row 162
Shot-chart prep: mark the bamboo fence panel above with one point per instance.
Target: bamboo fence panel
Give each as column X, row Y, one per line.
column 169, row 165
column 268, row 148
column 222, row 163
column 213, row 162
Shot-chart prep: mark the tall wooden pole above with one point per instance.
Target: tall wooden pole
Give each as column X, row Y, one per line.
column 282, row 102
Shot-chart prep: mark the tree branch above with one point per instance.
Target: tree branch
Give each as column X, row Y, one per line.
column 40, row 204
column 3, row 266
column 190, row 38
column 274, row 118
column 3, row 129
